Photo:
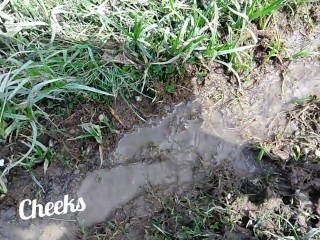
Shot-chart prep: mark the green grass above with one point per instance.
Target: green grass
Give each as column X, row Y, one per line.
column 50, row 48
column 205, row 216
column 93, row 131
column 187, row 218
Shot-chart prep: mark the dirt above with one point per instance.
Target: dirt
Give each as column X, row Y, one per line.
column 299, row 137
column 172, row 152
column 198, row 141
column 73, row 159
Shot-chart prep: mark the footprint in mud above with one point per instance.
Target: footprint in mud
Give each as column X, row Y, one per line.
column 160, row 155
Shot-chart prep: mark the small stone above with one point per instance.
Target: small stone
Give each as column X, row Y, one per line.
column 2, row 196
column 127, row 226
column 138, row 98
column 281, row 154
column 101, row 117
column 51, row 143
column 88, row 150
column 229, row 196
column 72, row 131
column 317, row 153
column 120, row 215
column 302, row 221
column 1, row 162
column 81, row 166
column 57, row 189
column 305, row 151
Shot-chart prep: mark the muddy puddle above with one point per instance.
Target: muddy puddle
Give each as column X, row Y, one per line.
column 178, row 150
column 195, row 137
column 171, row 152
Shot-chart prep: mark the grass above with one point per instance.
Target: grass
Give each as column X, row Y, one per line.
column 93, row 131
column 228, row 212
column 193, row 219
column 52, row 50
column 301, row 145
column 110, row 49
column 305, row 52
column 223, row 206
column 22, row 87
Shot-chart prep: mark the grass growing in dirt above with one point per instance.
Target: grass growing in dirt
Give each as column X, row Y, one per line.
column 206, row 213
column 236, row 217
column 110, row 48
column 299, row 137
column 224, row 206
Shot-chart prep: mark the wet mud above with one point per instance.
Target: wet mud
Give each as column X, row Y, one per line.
column 178, row 151
column 172, row 152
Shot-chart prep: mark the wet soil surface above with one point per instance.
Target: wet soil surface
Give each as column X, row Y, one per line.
column 149, row 163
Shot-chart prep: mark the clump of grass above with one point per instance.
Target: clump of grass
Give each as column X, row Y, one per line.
column 229, row 208
column 273, row 49
column 206, row 212
column 194, row 218
column 22, row 87
column 137, row 37
column 302, row 53
column 93, row 131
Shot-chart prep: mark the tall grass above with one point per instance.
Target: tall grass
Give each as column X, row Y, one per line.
column 22, row 87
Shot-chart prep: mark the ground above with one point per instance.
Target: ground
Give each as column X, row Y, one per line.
column 204, row 158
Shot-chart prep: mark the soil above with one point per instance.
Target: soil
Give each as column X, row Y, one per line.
column 198, row 141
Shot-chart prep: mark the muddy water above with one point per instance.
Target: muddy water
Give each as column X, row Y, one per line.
column 196, row 135
column 254, row 109
column 40, row 231
column 167, row 153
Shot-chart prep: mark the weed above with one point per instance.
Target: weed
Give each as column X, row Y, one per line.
column 104, row 119
column 22, row 87
column 305, row 52
column 299, row 145
column 170, row 88
column 273, row 49
column 260, row 154
column 93, row 131
column 200, row 220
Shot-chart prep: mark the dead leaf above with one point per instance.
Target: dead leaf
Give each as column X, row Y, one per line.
column 116, row 116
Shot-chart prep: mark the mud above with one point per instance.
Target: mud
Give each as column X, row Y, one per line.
column 39, row 231
column 195, row 134
column 171, row 152
column 177, row 151
column 201, row 134
column 58, row 181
